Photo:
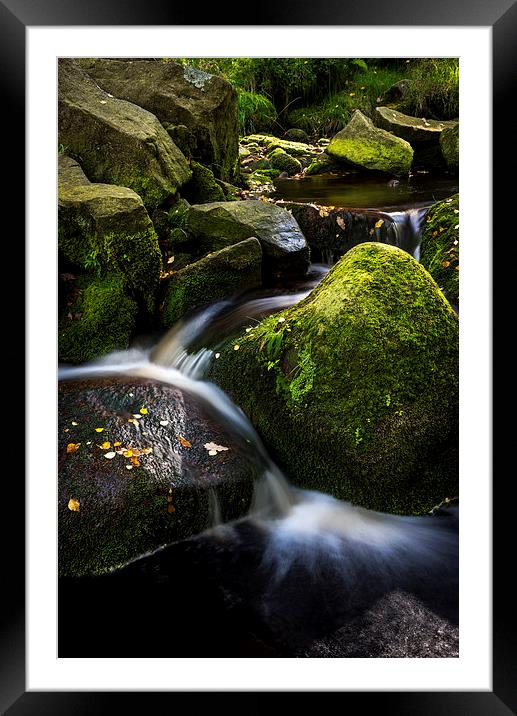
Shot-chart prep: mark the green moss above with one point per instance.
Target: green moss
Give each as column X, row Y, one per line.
column 371, row 154
column 284, row 162
column 202, row 188
column 364, row 372
column 449, row 144
column 439, row 251
column 102, row 319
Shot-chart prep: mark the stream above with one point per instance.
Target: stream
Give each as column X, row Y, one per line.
column 302, row 574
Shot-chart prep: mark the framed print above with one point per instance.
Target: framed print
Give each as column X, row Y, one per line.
column 49, row 639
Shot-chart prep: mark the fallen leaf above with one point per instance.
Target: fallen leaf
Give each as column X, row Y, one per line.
column 99, row 430
column 106, row 445
column 128, row 453
column 217, row 355
column 135, row 461
column 164, row 422
column 74, row 423
column 171, row 508
column 379, row 223
column 109, row 455
column 281, row 319
column 323, row 213
column 143, row 411
column 66, row 430
column 212, row 452
column 129, row 467
column 214, row 446
column 446, row 264
column 170, row 260
column 236, row 347
column 72, row 447
column 117, row 444
column 73, row 505
column 184, row 442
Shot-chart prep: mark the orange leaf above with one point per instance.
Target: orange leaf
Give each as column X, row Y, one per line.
column 106, row 445
column 184, row 442
column 73, row 505
column 135, row 461
column 72, row 447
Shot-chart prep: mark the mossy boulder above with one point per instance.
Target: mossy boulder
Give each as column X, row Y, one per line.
column 179, row 95
column 97, row 317
column 216, row 276
column 297, row 135
column 183, row 138
column 412, row 129
column 450, row 146
column 70, row 172
column 119, row 514
column 440, row 247
column 117, row 142
column 284, row 162
column 361, row 144
column 355, row 388
column 106, row 229
column 222, row 224
column 203, row 186
column 323, row 164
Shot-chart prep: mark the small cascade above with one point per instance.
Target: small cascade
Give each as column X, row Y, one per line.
column 405, row 230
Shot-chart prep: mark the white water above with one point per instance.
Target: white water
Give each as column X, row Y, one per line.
column 301, row 526
column 407, row 226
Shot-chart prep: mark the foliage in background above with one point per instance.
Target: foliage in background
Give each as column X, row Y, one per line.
column 319, row 95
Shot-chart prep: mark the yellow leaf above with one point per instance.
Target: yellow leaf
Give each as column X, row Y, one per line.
column 135, row 461
column 106, row 445
column 128, row 453
column 236, row 347
column 379, row 223
column 184, row 442
column 72, row 447
column 99, row 430
column 352, row 94
column 143, row 411
column 446, row 264
column 322, row 212
column 73, row 505
column 117, row 444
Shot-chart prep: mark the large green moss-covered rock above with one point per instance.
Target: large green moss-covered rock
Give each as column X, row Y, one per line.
column 179, row 95
column 440, row 247
column 99, row 319
column 106, row 229
column 221, row 224
column 212, row 278
column 362, row 144
column 118, row 514
column 202, row 187
column 450, row 146
column 355, row 389
column 412, row 129
column 115, row 141
column 284, row 162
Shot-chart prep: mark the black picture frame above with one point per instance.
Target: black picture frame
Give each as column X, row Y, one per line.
column 501, row 16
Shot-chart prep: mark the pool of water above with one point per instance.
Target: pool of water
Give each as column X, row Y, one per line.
column 357, row 191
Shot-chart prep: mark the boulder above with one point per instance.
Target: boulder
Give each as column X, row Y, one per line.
column 203, row 186
column 362, row 144
column 397, row 91
column 322, row 164
column 96, row 317
column 412, row 129
column 284, row 162
column 297, row 135
column 115, row 141
column 450, row 146
column 216, row 276
column 355, row 388
column 109, row 514
column 179, row 95
column 440, row 247
column 221, row 224
column 106, row 229
column 70, row 172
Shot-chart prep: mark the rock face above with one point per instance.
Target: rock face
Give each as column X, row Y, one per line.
column 450, row 146
column 105, row 228
column 440, row 248
column 115, row 141
column 355, row 389
column 179, row 95
column 284, row 162
column 213, row 277
column 412, row 129
column 221, row 224
column 362, row 144
column 118, row 514
column 70, row 171
column 97, row 316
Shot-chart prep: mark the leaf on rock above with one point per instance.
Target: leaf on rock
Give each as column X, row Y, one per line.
column 379, row 223
column 213, row 446
column 109, row 455
column 164, row 423
column 144, row 411
column 73, row 505
column 106, row 445
column 184, row 442
column 99, row 430
column 72, row 447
